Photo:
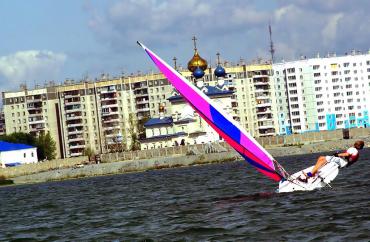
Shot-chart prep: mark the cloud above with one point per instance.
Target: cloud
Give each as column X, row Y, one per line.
column 329, row 32
column 236, row 28
column 31, row 65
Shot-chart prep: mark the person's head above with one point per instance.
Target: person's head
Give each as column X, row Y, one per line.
column 359, row 144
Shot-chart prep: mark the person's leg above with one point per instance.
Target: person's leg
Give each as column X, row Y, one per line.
column 321, row 161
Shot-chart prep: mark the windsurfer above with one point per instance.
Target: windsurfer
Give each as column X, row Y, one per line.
column 343, row 159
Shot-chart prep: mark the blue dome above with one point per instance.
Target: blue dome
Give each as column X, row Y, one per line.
column 198, row 73
column 220, row 71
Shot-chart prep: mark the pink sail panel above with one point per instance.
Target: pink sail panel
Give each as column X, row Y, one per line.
column 237, row 137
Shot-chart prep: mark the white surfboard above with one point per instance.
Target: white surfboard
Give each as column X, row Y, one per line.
column 324, row 176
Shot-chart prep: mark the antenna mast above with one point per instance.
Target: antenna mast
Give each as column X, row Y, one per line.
column 272, row 50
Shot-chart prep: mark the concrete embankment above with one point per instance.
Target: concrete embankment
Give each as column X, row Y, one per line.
column 171, row 162
column 124, row 167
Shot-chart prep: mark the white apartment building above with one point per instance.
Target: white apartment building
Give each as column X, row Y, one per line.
column 2, row 123
column 102, row 115
column 323, row 93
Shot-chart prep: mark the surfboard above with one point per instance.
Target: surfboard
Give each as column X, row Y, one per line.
column 324, row 176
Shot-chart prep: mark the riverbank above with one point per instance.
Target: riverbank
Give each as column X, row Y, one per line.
column 172, row 162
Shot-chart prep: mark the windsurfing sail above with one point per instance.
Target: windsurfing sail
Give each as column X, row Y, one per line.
column 223, row 123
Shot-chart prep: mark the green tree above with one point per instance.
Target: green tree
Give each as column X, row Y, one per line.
column 133, row 127
column 19, row 137
column 90, row 153
column 46, row 147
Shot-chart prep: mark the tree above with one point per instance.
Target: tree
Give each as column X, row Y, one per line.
column 19, row 137
column 135, row 144
column 46, row 147
column 90, row 153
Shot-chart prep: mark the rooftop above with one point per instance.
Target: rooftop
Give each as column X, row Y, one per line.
column 208, row 90
column 158, row 121
column 6, row 146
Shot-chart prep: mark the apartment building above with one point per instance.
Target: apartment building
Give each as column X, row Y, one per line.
column 2, row 123
column 323, row 93
column 32, row 111
column 102, row 115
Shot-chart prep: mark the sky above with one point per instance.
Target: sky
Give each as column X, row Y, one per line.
column 43, row 40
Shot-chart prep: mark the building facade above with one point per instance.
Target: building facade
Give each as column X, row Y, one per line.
column 2, row 123
column 103, row 115
column 323, row 93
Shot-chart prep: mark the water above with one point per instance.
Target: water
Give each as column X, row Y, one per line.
column 222, row 202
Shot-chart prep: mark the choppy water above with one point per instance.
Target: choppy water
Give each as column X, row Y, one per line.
column 222, row 202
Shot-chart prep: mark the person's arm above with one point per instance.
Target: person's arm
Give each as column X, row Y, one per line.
column 344, row 155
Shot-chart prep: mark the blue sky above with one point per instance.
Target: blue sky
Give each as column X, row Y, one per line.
column 44, row 40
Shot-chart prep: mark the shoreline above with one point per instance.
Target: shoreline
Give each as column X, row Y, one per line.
column 130, row 166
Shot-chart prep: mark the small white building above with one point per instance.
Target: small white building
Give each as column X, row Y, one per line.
column 12, row 154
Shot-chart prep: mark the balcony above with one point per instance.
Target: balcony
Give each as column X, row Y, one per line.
column 77, row 146
column 33, row 107
column 111, row 135
column 66, row 104
column 75, row 125
column 140, row 85
column 263, row 111
column 75, row 131
column 75, row 117
column 110, row 113
column 109, row 105
column 34, row 115
column 262, row 97
column 108, row 90
column 36, row 127
column 75, row 108
column 264, row 117
column 261, row 83
column 36, row 100
column 266, row 126
column 146, row 109
column 259, row 90
column 76, row 154
column 145, row 101
column 115, row 127
column 36, row 121
column 111, row 120
column 270, row 133
column 71, row 95
column 76, row 139
column 108, row 97
column 141, row 95
column 264, row 104
column 261, row 75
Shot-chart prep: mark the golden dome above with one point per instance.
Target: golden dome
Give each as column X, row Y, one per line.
column 197, row 61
